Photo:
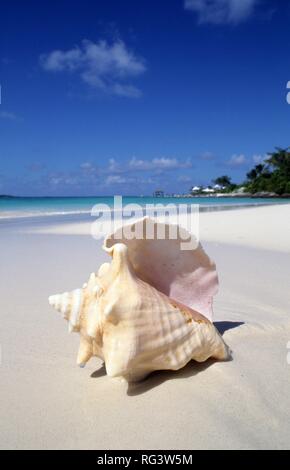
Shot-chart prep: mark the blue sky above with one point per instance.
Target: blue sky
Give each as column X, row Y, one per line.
column 113, row 97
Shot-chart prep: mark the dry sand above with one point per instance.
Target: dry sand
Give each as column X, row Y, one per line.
column 48, row 402
column 266, row 227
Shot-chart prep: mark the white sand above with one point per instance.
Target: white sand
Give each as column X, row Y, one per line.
column 48, row 402
column 266, row 227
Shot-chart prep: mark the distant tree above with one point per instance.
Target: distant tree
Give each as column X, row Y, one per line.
column 280, row 161
column 252, row 175
column 223, row 180
column 255, row 172
column 273, row 176
column 226, row 183
column 259, row 168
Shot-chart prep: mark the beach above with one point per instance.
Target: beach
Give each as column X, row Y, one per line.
column 47, row 402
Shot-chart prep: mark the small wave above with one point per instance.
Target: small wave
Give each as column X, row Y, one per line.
column 23, row 215
column 54, row 213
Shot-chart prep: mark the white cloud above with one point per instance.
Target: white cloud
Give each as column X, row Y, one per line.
column 158, row 164
column 221, row 11
column 138, row 164
column 101, row 65
column 115, row 179
column 184, row 179
column 63, row 180
column 134, row 175
column 8, row 115
column 86, row 175
column 129, row 180
column 257, row 159
column 89, row 169
column 237, row 160
column 146, row 181
column 55, row 180
column 114, row 166
column 86, row 166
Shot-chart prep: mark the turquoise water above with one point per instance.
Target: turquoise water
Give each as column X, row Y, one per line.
column 54, row 206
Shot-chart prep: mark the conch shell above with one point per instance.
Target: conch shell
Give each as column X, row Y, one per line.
column 133, row 326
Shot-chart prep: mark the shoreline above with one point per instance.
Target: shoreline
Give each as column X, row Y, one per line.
column 262, row 194
column 17, row 215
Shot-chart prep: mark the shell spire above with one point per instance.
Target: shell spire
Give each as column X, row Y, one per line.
column 70, row 305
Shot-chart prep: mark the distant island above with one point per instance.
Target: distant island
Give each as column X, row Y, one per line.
column 266, row 180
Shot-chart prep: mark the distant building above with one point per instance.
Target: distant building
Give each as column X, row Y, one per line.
column 240, row 190
column 208, row 190
column 195, row 189
column 218, row 187
column 158, row 193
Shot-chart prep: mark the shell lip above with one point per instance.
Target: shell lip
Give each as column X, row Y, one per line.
column 109, row 249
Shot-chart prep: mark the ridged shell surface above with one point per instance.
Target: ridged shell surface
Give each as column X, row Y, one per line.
column 141, row 330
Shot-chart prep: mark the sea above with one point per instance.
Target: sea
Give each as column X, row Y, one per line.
column 81, row 207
